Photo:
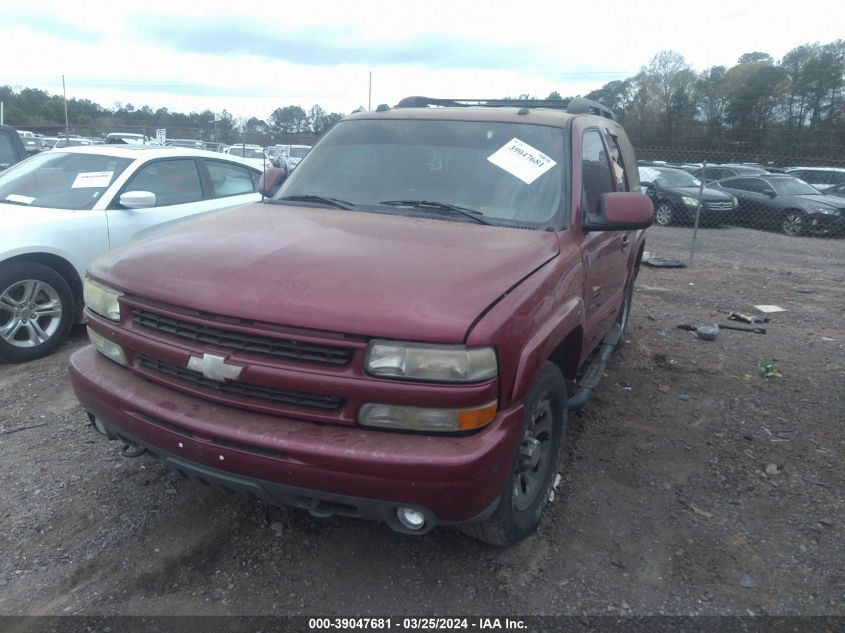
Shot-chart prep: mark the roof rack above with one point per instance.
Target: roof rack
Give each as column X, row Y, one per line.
column 576, row 105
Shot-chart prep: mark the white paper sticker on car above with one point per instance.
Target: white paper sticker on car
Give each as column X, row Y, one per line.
column 521, row 160
column 647, row 174
column 13, row 197
column 92, row 179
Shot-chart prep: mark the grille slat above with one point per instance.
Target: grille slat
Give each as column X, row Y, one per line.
column 719, row 206
column 253, row 343
column 315, row 401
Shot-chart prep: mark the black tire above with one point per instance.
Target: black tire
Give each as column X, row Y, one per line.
column 534, row 466
column 663, row 213
column 49, row 300
column 792, row 223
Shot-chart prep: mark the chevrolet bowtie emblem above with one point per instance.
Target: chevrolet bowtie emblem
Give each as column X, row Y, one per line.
column 214, row 367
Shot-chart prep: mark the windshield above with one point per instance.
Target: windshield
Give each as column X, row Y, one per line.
column 793, row 187
column 248, row 152
column 468, row 164
column 59, row 180
column 668, row 177
column 298, row 152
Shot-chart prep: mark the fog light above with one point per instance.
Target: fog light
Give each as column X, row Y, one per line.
column 108, row 348
column 410, row 518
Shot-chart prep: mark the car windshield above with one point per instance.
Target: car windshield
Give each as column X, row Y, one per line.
column 60, row 180
column 675, row 178
column 793, row 187
column 247, row 152
column 505, row 173
column 298, row 152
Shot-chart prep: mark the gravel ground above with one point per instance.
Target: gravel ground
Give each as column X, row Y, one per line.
column 692, row 484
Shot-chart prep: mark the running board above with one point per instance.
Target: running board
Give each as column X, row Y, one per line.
column 590, row 380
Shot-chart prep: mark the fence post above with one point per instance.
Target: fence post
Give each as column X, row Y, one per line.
column 697, row 217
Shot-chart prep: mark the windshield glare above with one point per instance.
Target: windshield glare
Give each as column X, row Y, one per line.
column 676, row 178
column 793, row 187
column 369, row 162
column 59, row 180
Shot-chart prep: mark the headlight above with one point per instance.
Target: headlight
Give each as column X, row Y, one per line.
column 389, row 416
column 437, row 363
column 690, row 202
column 735, row 200
column 102, row 299
column 108, row 348
column 825, row 210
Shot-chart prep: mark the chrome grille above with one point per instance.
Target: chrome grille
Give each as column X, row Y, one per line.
column 253, row 343
column 326, row 403
column 719, row 206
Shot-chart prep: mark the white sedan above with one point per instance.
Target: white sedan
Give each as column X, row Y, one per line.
column 59, row 210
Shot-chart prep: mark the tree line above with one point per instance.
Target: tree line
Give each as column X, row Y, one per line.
column 794, row 106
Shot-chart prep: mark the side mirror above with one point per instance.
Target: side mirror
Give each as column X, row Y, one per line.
column 770, row 193
column 271, row 180
column 138, row 199
column 621, row 211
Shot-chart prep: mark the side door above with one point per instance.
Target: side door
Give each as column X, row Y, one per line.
column 605, row 253
column 183, row 191
column 759, row 208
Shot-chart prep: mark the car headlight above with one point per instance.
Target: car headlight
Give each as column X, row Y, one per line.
column 102, row 299
column 735, row 201
column 690, row 202
column 825, row 210
column 436, row 363
column 436, row 420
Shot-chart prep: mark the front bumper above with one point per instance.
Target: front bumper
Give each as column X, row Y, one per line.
column 328, row 469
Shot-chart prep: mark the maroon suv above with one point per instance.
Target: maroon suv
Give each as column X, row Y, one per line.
column 398, row 332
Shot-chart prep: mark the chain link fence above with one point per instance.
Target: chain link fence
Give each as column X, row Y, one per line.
column 795, row 196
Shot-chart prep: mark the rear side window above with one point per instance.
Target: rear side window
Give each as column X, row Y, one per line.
column 229, row 180
column 172, row 181
column 743, row 184
column 596, row 177
column 7, row 152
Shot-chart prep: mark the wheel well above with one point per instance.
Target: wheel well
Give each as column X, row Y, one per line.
column 58, row 264
column 567, row 354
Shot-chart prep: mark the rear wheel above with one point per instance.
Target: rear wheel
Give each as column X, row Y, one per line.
column 792, row 223
column 663, row 214
column 533, row 470
column 36, row 311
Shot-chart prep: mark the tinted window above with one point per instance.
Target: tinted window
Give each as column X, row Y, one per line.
column 229, row 180
column 742, row 184
column 596, row 176
column 793, row 187
column 714, row 173
column 60, row 180
column 172, row 181
column 7, row 151
column 369, row 162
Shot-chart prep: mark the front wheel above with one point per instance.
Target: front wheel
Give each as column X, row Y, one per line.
column 36, row 311
column 663, row 214
column 534, row 467
column 792, row 223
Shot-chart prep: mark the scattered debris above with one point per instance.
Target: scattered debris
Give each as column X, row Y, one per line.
column 278, row 527
column 683, row 396
column 747, row 582
column 826, row 522
column 23, row 428
column 660, row 262
column 816, row 482
column 704, row 332
column 767, row 370
column 755, row 330
column 736, row 316
column 767, row 309
column 805, row 291
column 828, row 339
column 700, row 512
column 772, row 469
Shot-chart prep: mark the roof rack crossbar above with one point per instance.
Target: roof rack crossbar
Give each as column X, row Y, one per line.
column 576, row 105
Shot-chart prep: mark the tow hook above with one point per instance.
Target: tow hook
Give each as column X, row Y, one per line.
column 132, row 450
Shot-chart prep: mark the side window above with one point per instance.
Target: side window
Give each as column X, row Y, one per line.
column 596, row 177
column 837, row 177
column 228, row 179
column 742, row 184
column 7, row 153
column 757, row 185
column 618, row 164
column 172, row 181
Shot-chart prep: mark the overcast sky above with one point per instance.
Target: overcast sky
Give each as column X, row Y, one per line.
column 250, row 57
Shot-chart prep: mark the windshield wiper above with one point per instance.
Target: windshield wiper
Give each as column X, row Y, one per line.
column 335, row 202
column 442, row 207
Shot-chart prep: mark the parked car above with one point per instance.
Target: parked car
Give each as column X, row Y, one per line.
column 32, row 142
column 253, row 153
column 675, row 194
column 11, row 147
column 184, row 142
column 822, row 178
column 127, row 138
column 295, row 154
column 71, row 142
column 62, row 208
column 720, row 172
column 50, row 141
column 836, row 190
column 213, row 147
column 398, row 333
column 786, row 203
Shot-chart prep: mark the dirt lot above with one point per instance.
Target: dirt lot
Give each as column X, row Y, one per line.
column 693, row 485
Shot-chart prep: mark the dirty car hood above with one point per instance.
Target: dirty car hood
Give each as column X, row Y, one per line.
column 353, row 272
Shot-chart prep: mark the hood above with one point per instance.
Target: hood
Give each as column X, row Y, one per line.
column 834, row 201
column 17, row 217
column 341, row 271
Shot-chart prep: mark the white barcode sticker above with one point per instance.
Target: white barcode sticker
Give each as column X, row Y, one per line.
column 92, row 179
column 521, row 160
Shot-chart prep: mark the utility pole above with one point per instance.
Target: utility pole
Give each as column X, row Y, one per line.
column 64, row 93
column 370, row 97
